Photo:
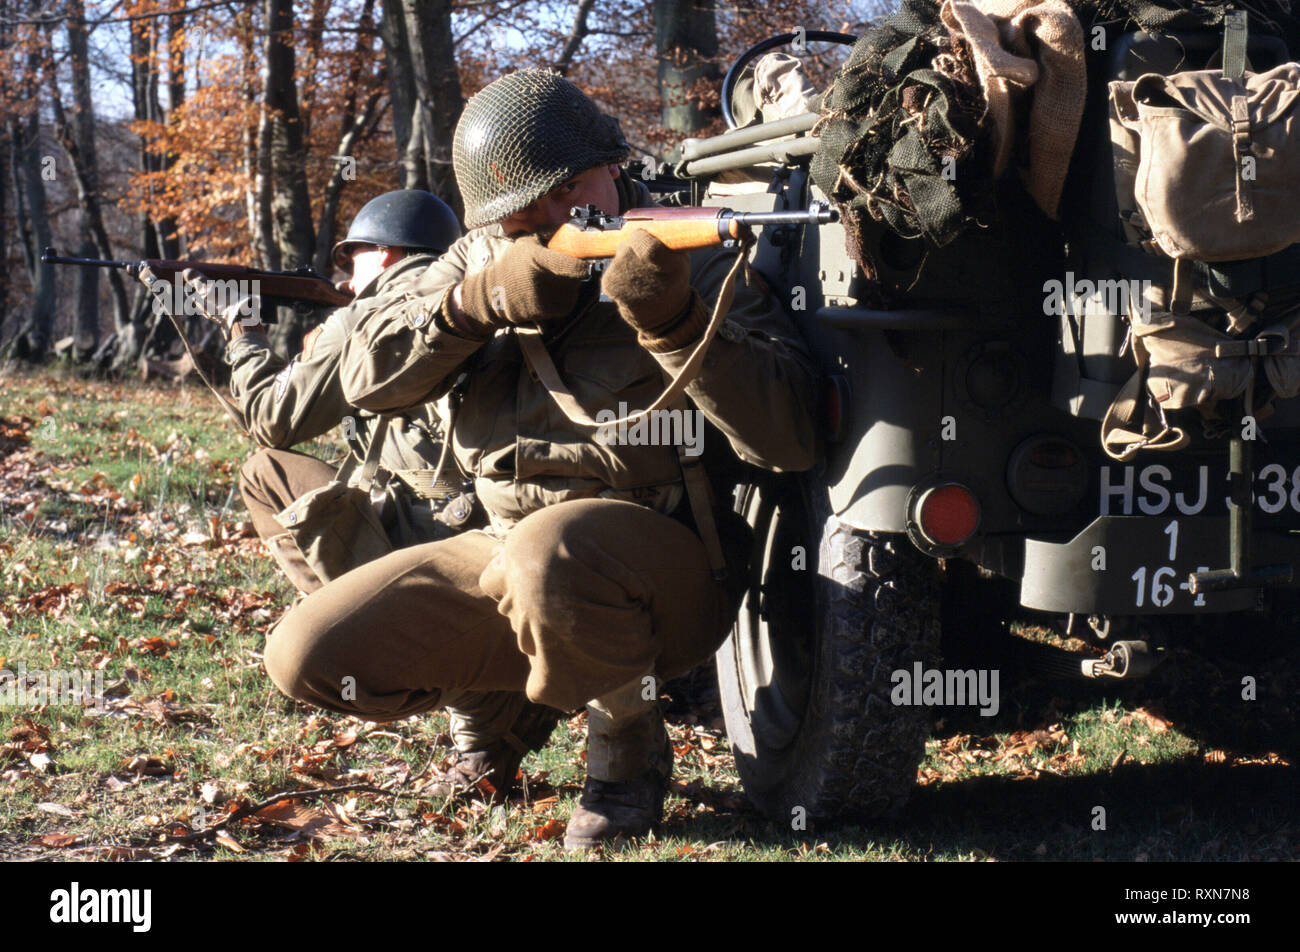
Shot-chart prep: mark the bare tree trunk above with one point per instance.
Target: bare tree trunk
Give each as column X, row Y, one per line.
column 414, row 169
column 576, row 35
column 78, row 140
column 33, row 336
column 437, row 85
column 314, row 48
column 123, row 352
column 252, row 158
column 4, row 232
column 352, row 127
column 6, row 151
column 290, row 205
column 686, row 39
column 168, row 237
column 401, row 92
column 85, row 328
column 334, row 187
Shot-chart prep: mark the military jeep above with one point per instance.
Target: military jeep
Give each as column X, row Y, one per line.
column 963, row 476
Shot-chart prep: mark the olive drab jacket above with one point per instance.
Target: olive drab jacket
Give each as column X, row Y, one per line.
column 284, row 403
column 757, row 386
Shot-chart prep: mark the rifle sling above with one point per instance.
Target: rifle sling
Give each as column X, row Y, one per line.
column 540, row 363
column 147, row 276
column 694, row 478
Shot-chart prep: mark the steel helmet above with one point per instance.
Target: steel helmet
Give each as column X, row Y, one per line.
column 406, row 218
column 524, row 134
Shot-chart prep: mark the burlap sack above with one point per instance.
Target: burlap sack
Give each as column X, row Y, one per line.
column 1028, row 48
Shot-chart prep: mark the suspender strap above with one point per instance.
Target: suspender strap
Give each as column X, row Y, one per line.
column 700, row 495
column 370, row 468
column 693, row 476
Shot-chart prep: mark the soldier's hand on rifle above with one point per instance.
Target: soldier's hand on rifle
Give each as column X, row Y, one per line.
column 236, row 318
column 651, row 284
column 529, row 283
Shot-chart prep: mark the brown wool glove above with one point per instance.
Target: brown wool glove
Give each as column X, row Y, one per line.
column 651, row 284
column 528, row 283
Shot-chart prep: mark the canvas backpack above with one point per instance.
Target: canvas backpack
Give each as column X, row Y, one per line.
column 1207, row 167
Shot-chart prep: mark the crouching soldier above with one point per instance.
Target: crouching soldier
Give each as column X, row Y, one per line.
column 601, row 573
column 284, row 403
column 315, row 527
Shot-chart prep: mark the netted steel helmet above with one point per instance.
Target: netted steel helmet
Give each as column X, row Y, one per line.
column 406, row 218
column 523, row 135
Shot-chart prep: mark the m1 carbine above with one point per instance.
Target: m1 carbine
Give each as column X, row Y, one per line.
column 592, row 234
column 300, row 287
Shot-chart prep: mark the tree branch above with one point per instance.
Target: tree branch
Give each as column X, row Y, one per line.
column 59, row 18
column 575, row 38
column 488, row 19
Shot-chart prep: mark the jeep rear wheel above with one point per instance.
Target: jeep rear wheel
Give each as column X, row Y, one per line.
column 805, row 675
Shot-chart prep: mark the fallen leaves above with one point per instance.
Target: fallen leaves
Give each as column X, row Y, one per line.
column 229, row 842
column 143, row 766
column 58, row 809
column 56, row 840
column 157, row 646
column 311, row 822
column 549, row 830
column 1153, row 722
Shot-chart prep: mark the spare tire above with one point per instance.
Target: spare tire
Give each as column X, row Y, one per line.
column 805, row 677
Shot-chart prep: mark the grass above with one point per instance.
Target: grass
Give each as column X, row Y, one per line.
column 126, row 551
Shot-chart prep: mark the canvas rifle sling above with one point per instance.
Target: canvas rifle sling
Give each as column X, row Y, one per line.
column 693, row 476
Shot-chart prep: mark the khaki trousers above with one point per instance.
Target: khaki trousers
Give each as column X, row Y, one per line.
column 272, row 479
column 581, row 598
column 269, row 481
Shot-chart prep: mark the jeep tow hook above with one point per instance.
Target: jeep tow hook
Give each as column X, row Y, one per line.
column 1125, row 659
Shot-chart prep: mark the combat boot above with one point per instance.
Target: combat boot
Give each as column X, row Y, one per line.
column 490, row 771
column 629, row 761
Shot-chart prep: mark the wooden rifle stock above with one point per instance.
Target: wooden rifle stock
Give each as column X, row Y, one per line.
column 285, row 286
column 682, row 229
column 592, row 234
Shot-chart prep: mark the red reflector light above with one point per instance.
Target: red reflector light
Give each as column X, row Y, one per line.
column 948, row 515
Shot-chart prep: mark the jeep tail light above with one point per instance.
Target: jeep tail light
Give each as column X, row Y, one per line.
column 947, row 515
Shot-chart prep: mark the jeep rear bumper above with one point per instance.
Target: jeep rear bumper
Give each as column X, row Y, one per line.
column 1139, row 565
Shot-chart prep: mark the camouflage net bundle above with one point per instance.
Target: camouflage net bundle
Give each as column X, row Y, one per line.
column 907, row 131
column 904, row 109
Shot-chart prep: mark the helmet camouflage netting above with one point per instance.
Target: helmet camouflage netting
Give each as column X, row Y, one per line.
column 524, row 134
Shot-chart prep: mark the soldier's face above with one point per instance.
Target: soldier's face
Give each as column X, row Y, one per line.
column 368, row 262
column 592, row 187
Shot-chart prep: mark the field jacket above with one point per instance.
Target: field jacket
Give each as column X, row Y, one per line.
column 757, row 387
column 286, row 402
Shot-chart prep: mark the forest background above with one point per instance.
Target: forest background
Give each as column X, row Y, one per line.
column 251, row 131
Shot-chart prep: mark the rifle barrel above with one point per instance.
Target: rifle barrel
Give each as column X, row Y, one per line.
column 50, row 257
column 813, row 216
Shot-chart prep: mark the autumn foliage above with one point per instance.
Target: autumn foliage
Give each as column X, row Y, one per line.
column 256, row 130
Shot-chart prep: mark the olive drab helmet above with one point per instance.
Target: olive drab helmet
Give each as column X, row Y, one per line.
column 524, row 134
column 406, row 218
